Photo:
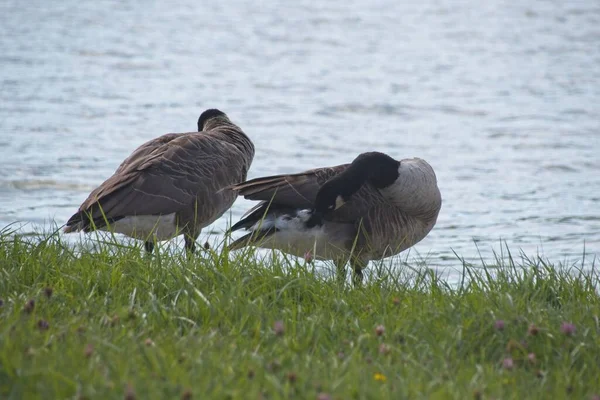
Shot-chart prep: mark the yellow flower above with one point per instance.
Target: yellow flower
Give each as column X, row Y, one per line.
column 379, row 377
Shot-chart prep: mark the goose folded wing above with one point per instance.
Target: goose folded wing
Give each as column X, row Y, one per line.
column 291, row 190
column 300, row 191
column 163, row 181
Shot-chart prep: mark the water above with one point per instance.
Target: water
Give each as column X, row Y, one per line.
column 503, row 99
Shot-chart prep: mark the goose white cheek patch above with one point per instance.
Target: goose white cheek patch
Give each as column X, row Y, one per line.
column 339, row 201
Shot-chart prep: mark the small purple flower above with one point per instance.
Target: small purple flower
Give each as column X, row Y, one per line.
column 43, row 325
column 568, row 328
column 499, row 325
column 380, row 330
column 129, row 392
column 278, row 328
column 508, row 363
column 88, row 351
column 323, row 396
column 531, row 358
column 384, row 349
column 533, row 330
column 292, row 377
column 308, row 257
column 29, row 306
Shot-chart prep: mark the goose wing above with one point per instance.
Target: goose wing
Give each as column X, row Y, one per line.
column 147, row 149
column 165, row 178
column 299, row 191
column 292, row 190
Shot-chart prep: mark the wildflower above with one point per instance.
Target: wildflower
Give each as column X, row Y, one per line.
column 531, row 358
column 29, row 306
column 499, row 325
column 380, row 330
column 148, row 342
column 567, row 328
column 341, row 355
column 508, row 363
column 595, row 397
column 308, row 257
column 278, row 328
column 292, row 377
column 186, row 395
column 89, row 350
column 396, row 301
column 48, row 292
column 129, row 393
column 533, row 330
column 379, row 377
column 384, row 349
column 43, row 325
column 323, row 396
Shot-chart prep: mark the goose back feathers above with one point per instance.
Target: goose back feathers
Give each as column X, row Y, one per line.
column 171, row 185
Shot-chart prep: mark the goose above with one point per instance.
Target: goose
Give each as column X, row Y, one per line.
column 372, row 208
column 171, row 185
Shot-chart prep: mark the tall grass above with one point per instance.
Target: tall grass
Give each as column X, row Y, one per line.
column 109, row 321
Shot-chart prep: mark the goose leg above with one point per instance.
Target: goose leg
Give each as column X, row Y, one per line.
column 190, row 242
column 357, row 275
column 149, row 246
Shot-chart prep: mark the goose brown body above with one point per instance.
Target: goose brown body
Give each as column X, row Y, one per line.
column 390, row 206
column 171, row 185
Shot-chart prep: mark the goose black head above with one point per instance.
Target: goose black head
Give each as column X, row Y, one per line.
column 381, row 169
column 207, row 115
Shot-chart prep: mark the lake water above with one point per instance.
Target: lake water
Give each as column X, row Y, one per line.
column 502, row 98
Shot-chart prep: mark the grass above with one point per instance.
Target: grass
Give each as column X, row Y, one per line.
column 113, row 323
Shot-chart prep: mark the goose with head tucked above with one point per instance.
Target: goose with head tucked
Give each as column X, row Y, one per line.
column 372, row 208
column 171, row 185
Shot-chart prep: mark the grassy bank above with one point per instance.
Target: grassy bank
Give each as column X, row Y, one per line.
column 116, row 324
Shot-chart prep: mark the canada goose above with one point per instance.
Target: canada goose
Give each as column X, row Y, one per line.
column 171, row 185
column 373, row 208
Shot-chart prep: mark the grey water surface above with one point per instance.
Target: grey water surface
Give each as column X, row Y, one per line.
column 502, row 98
